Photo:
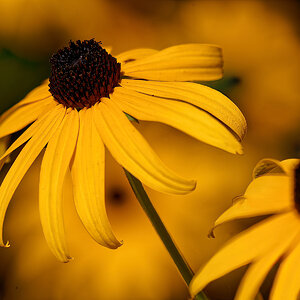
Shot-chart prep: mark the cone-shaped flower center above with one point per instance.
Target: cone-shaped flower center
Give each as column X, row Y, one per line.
column 297, row 187
column 82, row 74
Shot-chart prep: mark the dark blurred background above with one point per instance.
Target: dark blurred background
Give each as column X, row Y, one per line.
column 261, row 44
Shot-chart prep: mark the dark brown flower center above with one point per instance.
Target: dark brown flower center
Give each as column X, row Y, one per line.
column 297, row 187
column 82, row 74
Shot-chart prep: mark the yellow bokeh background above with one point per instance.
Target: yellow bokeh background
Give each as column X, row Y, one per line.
column 261, row 44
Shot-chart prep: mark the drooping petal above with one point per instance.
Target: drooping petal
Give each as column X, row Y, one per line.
column 199, row 95
column 25, row 115
column 55, row 164
column 286, row 284
column 39, row 93
column 88, row 182
column 133, row 55
column 244, row 248
column 180, row 115
column 265, row 195
column 25, row 159
column 189, row 62
column 259, row 269
column 131, row 150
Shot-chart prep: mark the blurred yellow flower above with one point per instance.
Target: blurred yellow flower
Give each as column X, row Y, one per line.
column 274, row 190
column 82, row 112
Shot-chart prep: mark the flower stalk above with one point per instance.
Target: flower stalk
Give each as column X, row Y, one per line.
column 182, row 265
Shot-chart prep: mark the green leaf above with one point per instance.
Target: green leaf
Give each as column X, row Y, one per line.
column 224, row 85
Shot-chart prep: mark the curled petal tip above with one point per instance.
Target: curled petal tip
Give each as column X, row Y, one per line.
column 5, row 245
column 115, row 245
column 240, row 151
column 67, row 259
column 193, row 184
column 194, row 290
column 238, row 199
column 211, row 233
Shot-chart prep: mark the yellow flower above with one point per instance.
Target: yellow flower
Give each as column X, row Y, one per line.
column 275, row 190
column 83, row 111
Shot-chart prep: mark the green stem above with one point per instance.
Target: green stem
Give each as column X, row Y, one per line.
column 183, row 267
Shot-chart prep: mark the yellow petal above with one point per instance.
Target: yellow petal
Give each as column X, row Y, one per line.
column 32, row 129
column 271, row 189
column 180, row 115
column 199, row 95
column 289, row 165
column 273, row 166
column 25, row 115
column 265, row 195
column 4, row 142
column 133, row 55
column 190, row 62
column 88, row 182
column 266, row 166
column 244, row 248
column 39, row 93
column 107, row 48
column 286, row 284
column 55, row 164
column 131, row 150
column 259, row 269
column 25, row 159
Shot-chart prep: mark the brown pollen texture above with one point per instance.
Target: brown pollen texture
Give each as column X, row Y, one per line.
column 82, row 74
column 297, row 187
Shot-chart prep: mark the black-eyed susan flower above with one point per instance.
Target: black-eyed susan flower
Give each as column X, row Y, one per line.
column 83, row 110
column 275, row 190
